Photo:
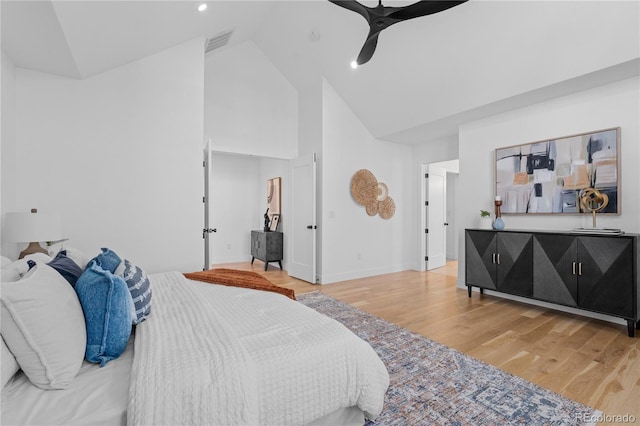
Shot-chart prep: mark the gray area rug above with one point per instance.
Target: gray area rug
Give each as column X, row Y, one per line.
column 432, row 384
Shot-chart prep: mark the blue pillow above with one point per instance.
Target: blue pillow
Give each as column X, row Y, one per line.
column 140, row 290
column 108, row 260
column 108, row 311
column 66, row 267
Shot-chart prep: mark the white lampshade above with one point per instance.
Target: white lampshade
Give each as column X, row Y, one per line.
column 30, row 227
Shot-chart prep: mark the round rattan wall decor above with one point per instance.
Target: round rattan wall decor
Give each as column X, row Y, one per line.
column 372, row 209
column 373, row 195
column 364, row 187
column 383, row 191
column 387, row 208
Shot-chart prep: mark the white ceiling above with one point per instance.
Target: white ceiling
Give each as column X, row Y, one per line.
column 428, row 75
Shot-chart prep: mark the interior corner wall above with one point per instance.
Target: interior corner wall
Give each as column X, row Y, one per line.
column 250, row 108
column 612, row 105
column 354, row 244
column 8, row 146
column 119, row 157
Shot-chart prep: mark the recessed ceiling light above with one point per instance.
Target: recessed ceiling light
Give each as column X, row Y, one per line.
column 202, row 7
column 354, row 64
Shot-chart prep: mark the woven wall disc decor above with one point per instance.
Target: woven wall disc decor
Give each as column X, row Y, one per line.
column 383, row 191
column 373, row 195
column 372, row 209
column 364, row 187
column 387, row 208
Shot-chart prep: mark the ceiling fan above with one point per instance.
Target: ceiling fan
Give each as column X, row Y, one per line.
column 381, row 17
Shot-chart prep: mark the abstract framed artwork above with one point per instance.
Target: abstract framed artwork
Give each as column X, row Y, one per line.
column 547, row 176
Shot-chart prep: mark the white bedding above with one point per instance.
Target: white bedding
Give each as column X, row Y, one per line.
column 259, row 358
column 97, row 396
column 214, row 354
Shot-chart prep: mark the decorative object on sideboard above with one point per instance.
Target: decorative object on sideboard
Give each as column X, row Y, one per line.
column 485, row 220
column 31, row 228
column 267, row 221
column 373, row 195
column 275, row 221
column 547, row 176
column 498, row 224
column 594, row 201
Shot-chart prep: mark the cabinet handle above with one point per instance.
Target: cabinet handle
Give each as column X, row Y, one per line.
column 493, row 258
column 498, row 258
column 574, row 268
column 580, row 268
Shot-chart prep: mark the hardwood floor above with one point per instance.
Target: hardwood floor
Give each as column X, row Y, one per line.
column 590, row 361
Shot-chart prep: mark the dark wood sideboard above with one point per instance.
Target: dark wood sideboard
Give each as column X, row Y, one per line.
column 597, row 273
column 266, row 246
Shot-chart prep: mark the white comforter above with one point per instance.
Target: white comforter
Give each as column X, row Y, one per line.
column 220, row 355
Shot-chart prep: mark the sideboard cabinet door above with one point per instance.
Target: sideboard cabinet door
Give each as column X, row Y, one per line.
column 500, row 261
column 555, row 269
column 480, row 266
column 606, row 275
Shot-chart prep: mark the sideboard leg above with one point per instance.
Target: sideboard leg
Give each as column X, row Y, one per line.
column 481, row 290
column 631, row 328
column 469, row 290
column 252, row 259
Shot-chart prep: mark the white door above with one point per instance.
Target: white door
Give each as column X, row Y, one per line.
column 436, row 218
column 302, row 242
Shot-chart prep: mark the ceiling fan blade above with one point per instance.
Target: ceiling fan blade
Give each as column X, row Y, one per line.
column 354, row 6
column 369, row 47
column 423, row 8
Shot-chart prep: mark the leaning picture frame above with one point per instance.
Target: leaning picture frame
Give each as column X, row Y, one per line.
column 546, row 177
column 275, row 221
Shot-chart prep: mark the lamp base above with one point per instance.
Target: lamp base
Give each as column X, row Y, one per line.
column 33, row 247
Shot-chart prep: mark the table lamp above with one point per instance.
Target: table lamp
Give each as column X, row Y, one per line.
column 31, row 228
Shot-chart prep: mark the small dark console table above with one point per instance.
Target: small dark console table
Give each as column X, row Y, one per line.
column 266, row 246
column 597, row 273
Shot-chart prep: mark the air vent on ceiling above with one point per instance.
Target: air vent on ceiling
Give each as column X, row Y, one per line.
column 218, row 41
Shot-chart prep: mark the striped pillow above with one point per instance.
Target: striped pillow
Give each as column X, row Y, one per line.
column 140, row 290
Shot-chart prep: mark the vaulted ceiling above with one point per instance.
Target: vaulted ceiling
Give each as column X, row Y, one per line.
column 427, row 76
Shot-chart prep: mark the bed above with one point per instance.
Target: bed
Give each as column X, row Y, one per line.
column 214, row 354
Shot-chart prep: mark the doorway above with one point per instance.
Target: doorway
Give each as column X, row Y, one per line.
column 438, row 232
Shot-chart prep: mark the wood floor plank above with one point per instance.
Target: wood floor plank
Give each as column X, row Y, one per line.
column 593, row 362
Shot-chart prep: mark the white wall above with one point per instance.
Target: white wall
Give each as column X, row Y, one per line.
column 235, row 204
column 613, row 105
column 250, row 108
column 119, row 156
column 8, row 147
column 354, row 244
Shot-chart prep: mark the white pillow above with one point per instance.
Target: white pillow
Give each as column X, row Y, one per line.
column 43, row 326
column 4, row 261
column 16, row 270
column 73, row 253
column 8, row 363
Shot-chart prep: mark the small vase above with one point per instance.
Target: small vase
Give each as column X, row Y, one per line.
column 498, row 224
column 485, row 223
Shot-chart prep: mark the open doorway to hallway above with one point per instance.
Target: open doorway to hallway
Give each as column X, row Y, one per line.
column 438, row 233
